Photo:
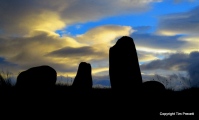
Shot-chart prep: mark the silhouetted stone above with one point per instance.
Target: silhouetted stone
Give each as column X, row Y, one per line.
column 153, row 87
column 40, row 76
column 124, row 70
column 83, row 78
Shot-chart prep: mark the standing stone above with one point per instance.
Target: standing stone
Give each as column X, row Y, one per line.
column 124, row 70
column 153, row 86
column 83, row 78
column 38, row 77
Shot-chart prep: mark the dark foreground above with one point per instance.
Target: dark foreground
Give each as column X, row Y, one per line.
column 101, row 103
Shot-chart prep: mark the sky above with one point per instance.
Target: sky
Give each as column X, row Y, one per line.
column 63, row 33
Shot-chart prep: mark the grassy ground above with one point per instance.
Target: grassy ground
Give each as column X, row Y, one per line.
column 100, row 100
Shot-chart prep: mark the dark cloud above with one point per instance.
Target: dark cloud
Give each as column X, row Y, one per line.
column 157, row 41
column 180, row 23
column 75, row 52
column 178, row 62
column 193, row 68
column 70, row 51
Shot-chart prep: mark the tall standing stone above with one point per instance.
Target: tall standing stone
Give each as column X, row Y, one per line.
column 124, row 70
column 83, row 78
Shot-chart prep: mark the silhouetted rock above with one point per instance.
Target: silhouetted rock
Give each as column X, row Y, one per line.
column 153, row 87
column 40, row 76
column 83, row 78
column 124, row 70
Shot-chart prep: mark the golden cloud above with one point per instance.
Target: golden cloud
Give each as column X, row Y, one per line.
column 33, row 49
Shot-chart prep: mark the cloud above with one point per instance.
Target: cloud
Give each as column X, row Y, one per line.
column 104, row 34
column 74, row 52
column 180, row 23
column 30, row 51
column 81, row 54
column 178, row 62
column 99, row 70
column 151, row 46
column 146, row 56
column 142, row 29
column 100, row 39
column 185, row 24
column 157, row 42
column 193, row 68
column 20, row 17
column 64, row 54
column 28, row 37
column 179, row 1
column 38, row 44
column 87, row 10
